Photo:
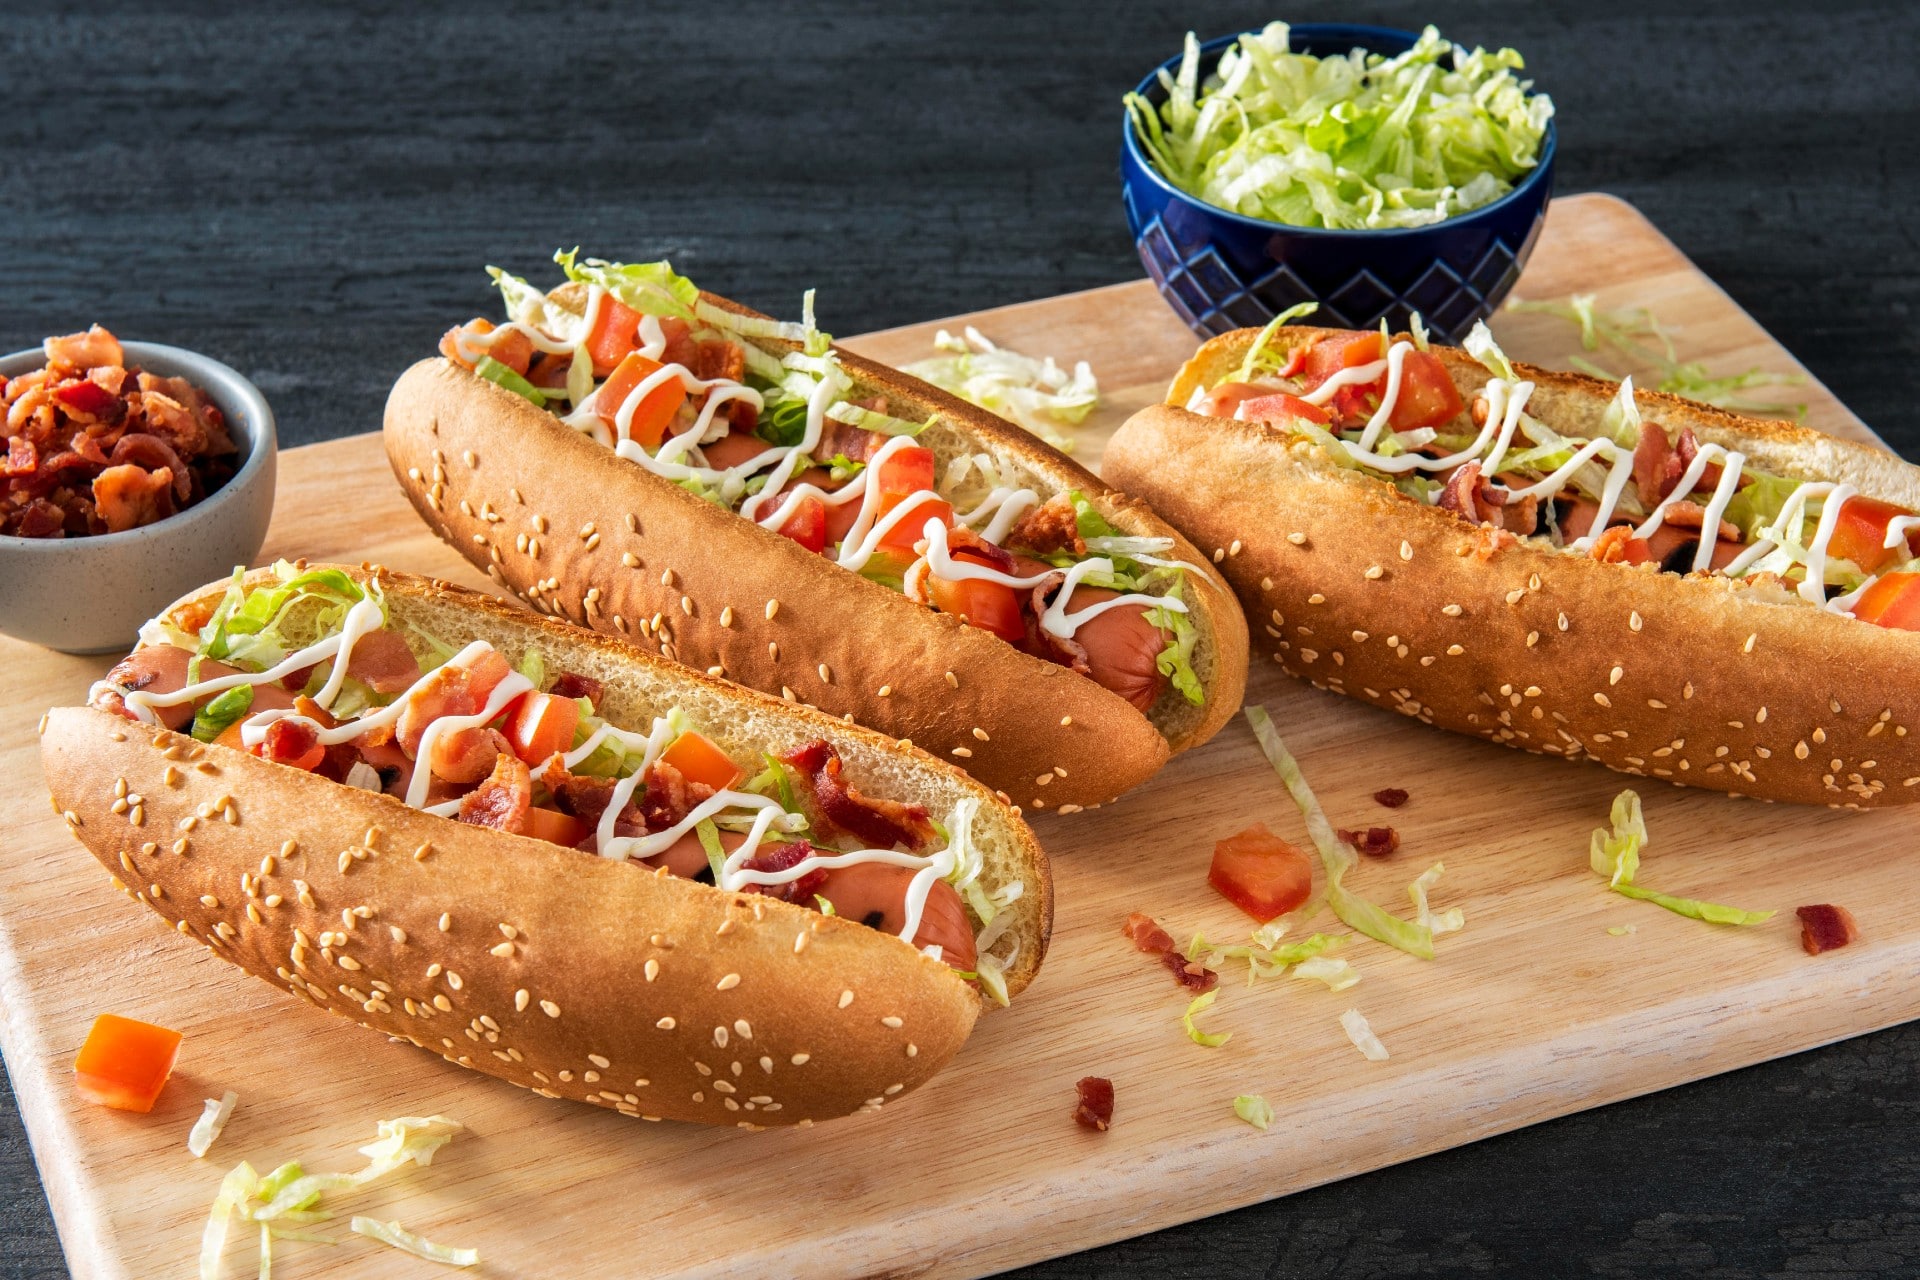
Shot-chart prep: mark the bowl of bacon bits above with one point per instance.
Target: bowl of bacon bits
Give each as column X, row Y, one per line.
column 132, row 472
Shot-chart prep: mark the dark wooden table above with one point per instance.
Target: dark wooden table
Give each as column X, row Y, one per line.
column 309, row 195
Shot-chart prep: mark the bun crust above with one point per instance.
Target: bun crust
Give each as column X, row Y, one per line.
column 571, row 975
column 523, row 498
column 1703, row 681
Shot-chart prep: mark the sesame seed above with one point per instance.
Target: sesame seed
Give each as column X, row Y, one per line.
column 453, row 980
column 1406, row 550
column 773, row 650
column 1453, row 651
column 630, row 560
column 981, row 734
column 892, row 1022
column 1360, row 637
column 1451, row 610
column 800, row 942
column 1234, row 548
column 1373, row 571
column 686, row 605
column 1514, row 596
column 549, row 1008
column 652, row 969
column 1602, row 699
column 345, row 962
column 743, row 1029
column 1800, row 750
column 1065, row 721
column 913, row 1050
column 720, row 1036
column 727, row 983
column 1613, row 677
column 846, row 997
column 1297, row 539
column 503, row 950
column 1219, row 554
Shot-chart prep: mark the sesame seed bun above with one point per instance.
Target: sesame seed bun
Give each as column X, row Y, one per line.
column 1702, row 680
column 523, row 497
column 568, row 974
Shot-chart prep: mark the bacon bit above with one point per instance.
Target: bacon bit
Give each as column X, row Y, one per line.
column 670, row 797
column 502, row 801
column 1390, row 798
column 23, row 457
column 1150, row 938
column 586, row 798
column 1095, row 1109
column 1685, row 450
column 779, row 857
column 719, row 359
column 1691, row 515
column 881, row 823
column 968, row 545
column 1375, row 842
column 1824, row 927
column 90, row 350
column 1050, row 527
column 1652, row 455
column 1617, row 545
column 1492, row 541
column 857, row 444
column 1469, row 494
column 125, row 497
column 569, row 685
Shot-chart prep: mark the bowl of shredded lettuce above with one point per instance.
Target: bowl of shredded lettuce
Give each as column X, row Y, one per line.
column 1377, row 173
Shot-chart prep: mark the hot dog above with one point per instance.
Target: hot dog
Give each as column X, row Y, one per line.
column 547, row 855
column 1554, row 562
column 634, row 455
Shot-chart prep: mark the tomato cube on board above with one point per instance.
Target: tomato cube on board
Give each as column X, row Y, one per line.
column 125, row 1063
column 1260, row 873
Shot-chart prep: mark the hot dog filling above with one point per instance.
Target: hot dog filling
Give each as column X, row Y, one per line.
column 311, row 672
column 630, row 355
column 1638, row 494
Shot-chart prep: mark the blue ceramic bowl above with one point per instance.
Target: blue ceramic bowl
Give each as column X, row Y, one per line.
column 90, row 595
column 1221, row 271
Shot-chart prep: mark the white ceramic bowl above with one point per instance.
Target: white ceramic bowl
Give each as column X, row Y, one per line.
column 90, row 595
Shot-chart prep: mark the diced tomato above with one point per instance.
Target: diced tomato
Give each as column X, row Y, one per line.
column 991, row 606
column 1892, row 601
column 1427, row 394
column 699, row 760
column 539, row 724
column 807, row 525
column 554, row 827
column 905, row 471
column 484, row 674
column 615, row 333
column 1281, row 407
column 912, row 527
column 292, row 742
column 1860, row 534
column 1330, row 355
column 124, row 1063
column 1260, row 873
column 651, row 416
column 514, row 350
column 678, row 345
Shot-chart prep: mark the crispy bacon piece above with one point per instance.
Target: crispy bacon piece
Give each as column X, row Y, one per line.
column 1691, row 515
column 882, row 824
column 779, row 857
column 1825, row 926
column 23, row 457
column 1651, row 456
column 1375, row 842
column 1685, row 450
column 502, row 801
column 569, row 685
column 127, row 497
column 1149, row 937
column 85, row 398
column 1617, row 545
column 83, row 351
column 153, row 453
column 1050, row 527
column 1469, row 494
column 670, row 796
column 1095, row 1108
column 586, row 798
column 719, row 358
column 968, row 545
column 1390, row 797
column 467, row 755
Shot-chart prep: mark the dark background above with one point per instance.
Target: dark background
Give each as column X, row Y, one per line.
column 309, row 196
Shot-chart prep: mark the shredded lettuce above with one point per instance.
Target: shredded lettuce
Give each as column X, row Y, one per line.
column 871, row 420
column 1360, row 1031
column 1353, row 141
column 1367, row 917
column 500, row 375
column 392, row 1233
column 236, row 1189
column 1205, row 1039
column 213, row 1118
column 1642, row 340
column 1175, row 662
column 1759, row 503
column 1615, row 854
column 1037, row 394
column 247, row 626
column 1258, row 360
column 1481, row 346
column 1254, row 1109
column 650, row 288
column 1442, row 922
column 533, row 667
column 710, row 842
column 1336, row 971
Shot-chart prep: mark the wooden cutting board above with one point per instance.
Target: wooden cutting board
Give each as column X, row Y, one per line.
column 1534, row 1011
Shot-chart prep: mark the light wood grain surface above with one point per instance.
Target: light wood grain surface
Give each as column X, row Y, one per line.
column 1533, row 1011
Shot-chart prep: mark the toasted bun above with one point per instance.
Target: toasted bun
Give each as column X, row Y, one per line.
column 571, row 975
column 523, row 497
column 1701, row 680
